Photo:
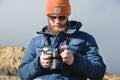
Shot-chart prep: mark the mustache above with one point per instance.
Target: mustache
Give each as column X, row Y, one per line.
column 59, row 25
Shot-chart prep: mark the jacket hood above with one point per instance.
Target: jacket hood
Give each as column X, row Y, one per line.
column 73, row 26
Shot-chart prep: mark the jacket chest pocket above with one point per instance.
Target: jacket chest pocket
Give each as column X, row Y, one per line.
column 39, row 49
column 76, row 44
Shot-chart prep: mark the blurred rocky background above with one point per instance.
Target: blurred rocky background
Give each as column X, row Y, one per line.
column 10, row 59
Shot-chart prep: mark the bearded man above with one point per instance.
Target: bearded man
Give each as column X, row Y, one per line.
column 62, row 51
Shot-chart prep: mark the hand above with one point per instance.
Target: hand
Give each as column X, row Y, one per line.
column 66, row 55
column 45, row 59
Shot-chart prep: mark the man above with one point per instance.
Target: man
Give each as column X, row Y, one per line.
column 62, row 51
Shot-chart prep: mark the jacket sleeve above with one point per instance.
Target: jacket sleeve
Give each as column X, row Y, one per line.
column 30, row 66
column 90, row 64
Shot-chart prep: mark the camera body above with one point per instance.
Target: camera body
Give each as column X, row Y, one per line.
column 56, row 64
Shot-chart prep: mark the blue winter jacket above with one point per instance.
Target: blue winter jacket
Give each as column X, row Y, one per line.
column 87, row 61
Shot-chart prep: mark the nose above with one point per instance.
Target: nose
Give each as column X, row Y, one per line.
column 57, row 20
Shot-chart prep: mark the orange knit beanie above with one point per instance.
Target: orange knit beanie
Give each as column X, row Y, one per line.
column 58, row 7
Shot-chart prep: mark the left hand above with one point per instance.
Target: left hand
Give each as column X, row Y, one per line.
column 66, row 55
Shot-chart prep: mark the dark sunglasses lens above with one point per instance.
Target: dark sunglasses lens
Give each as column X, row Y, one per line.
column 61, row 18
column 53, row 17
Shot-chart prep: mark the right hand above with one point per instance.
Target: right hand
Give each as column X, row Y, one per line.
column 45, row 59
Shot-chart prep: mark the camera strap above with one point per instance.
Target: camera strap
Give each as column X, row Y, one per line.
column 67, row 39
column 48, row 40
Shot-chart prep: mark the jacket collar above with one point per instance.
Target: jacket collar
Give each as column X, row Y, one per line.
column 73, row 26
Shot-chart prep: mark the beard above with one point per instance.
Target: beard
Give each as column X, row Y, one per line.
column 55, row 29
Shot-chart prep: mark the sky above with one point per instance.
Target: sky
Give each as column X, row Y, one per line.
column 21, row 19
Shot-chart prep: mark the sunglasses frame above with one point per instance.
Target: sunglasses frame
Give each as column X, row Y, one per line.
column 61, row 18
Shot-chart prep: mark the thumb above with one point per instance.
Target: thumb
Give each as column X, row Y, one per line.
column 44, row 50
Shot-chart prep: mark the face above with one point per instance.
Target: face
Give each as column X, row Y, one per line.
column 57, row 23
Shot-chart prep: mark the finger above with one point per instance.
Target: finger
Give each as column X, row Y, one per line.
column 46, row 63
column 64, row 60
column 65, row 47
column 65, row 53
column 46, row 66
column 68, row 61
column 45, row 49
column 46, row 57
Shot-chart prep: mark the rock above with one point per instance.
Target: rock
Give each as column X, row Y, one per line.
column 10, row 59
column 109, row 76
column 9, row 78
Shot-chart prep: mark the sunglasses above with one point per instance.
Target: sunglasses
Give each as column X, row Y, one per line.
column 61, row 18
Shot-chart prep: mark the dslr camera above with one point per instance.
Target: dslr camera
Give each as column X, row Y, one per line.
column 56, row 64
